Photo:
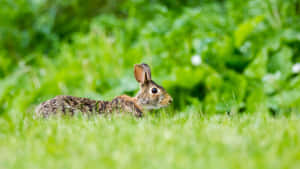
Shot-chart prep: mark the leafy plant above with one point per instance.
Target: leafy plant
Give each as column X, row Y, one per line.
column 245, row 52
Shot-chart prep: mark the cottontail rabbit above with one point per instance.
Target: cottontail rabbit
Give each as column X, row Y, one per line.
column 150, row 96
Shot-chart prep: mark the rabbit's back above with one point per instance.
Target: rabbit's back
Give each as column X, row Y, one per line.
column 69, row 105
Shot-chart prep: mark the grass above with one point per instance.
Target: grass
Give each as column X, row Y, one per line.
column 183, row 140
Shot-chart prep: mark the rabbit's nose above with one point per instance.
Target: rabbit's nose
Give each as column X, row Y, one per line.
column 170, row 101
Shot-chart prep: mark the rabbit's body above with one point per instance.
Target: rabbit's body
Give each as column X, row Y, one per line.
column 150, row 96
column 70, row 105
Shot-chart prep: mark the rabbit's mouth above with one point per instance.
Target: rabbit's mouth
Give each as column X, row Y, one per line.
column 166, row 101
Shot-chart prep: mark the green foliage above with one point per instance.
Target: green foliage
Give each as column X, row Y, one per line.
column 246, row 50
column 39, row 25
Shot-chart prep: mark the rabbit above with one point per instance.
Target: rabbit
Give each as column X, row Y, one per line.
column 150, row 96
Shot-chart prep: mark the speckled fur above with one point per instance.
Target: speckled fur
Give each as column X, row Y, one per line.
column 70, row 105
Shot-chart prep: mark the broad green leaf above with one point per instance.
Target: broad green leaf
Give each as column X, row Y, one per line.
column 281, row 62
column 245, row 29
column 258, row 67
column 291, row 35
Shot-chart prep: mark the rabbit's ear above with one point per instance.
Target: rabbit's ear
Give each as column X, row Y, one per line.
column 139, row 74
column 142, row 73
column 147, row 71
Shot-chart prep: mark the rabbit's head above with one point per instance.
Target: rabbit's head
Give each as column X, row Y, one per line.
column 151, row 95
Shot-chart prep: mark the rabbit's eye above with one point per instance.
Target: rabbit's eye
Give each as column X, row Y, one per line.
column 154, row 90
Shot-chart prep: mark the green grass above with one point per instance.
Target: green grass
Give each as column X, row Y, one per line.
column 183, row 140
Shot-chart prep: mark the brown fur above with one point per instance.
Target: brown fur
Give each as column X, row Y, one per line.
column 70, row 105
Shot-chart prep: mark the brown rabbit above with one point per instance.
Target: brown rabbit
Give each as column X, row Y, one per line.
column 150, row 96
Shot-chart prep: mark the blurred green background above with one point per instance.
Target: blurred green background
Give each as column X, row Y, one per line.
column 212, row 56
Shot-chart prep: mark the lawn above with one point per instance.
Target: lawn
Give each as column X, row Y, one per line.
column 183, row 140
